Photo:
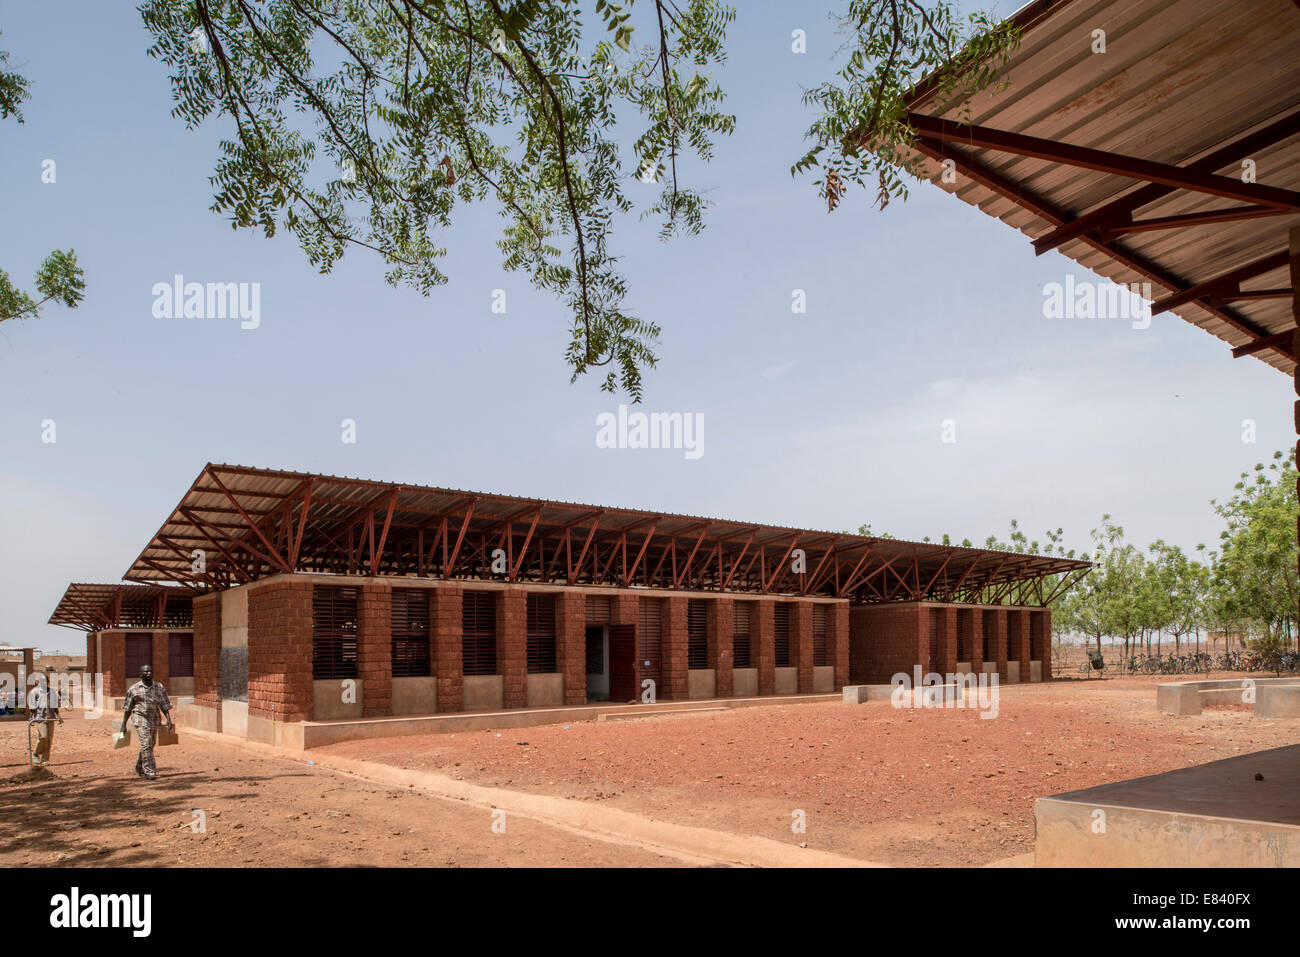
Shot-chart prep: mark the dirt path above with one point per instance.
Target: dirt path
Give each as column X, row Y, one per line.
column 89, row 809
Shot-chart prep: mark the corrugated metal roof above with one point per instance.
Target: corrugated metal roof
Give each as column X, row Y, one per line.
column 1179, row 79
column 248, row 522
column 91, row 606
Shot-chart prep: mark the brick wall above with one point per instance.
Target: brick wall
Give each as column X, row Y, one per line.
column 207, row 649
column 375, row 648
column 279, row 650
column 719, row 619
column 92, row 665
column 512, row 645
column 571, row 644
column 445, row 648
column 887, row 639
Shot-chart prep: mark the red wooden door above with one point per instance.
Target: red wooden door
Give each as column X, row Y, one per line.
column 622, row 663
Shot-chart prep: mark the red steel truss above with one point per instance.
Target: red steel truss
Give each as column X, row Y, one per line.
column 94, row 607
column 238, row 524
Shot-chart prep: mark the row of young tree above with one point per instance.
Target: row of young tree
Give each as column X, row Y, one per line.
column 1246, row 587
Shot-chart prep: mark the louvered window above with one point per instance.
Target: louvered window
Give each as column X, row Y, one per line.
column 781, row 634
column 819, row 636
column 740, row 635
column 963, row 635
column 180, row 656
column 139, row 652
column 410, row 633
column 697, row 632
column 479, row 633
column 334, row 632
column 541, row 635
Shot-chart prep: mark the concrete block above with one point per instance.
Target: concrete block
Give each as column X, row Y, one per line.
column 1179, row 698
column 1277, row 701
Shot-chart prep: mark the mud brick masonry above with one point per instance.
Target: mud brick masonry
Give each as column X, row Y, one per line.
column 324, row 599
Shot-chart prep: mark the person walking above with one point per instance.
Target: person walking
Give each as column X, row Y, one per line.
column 145, row 700
column 43, row 711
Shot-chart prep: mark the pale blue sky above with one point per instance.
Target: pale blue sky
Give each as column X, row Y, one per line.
column 927, row 311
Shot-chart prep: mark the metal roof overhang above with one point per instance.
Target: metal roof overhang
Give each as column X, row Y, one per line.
column 247, row 523
column 1130, row 162
column 96, row 606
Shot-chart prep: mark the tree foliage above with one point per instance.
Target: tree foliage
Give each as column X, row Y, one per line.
column 861, row 135
column 367, row 122
column 58, row 278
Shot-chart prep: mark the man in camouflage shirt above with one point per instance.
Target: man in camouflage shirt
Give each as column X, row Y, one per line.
column 43, row 711
column 144, row 701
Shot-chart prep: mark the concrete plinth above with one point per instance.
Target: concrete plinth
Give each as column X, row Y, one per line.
column 1211, row 815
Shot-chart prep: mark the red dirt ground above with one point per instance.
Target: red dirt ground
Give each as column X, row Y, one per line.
column 908, row 787
column 89, row 809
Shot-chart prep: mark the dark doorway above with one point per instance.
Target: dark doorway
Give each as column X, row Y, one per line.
column 597, row 663
column 622, row 663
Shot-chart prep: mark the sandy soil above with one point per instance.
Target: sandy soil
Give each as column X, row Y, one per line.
column 908, row 787
column 89, row 809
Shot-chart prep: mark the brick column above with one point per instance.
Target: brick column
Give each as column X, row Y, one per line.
column 623, row 609
column 512, row 645
column 720, row 620
column 976, row 639
column 160, row 648
column 837, row 641
column 676, row 641
column 571, row 644
column 375, row 648
column 114, row 648
column 445, row 648
column 279, row 650
column 999, row 641
column 1047, row 644
column 948, row 642
column 1018, row 641
column 92, row 668
column 762, row 641
column 207, row 649
column 801, row 639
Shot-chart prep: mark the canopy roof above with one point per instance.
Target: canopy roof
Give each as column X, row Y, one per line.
column 94, row 607
column 1171, row 158
column 246, row 523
